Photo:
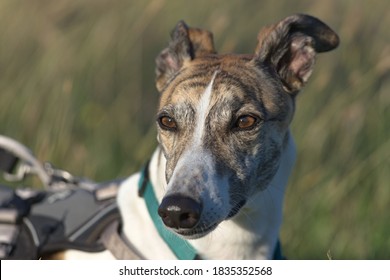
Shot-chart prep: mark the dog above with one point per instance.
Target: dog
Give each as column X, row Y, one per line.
column 225, row 149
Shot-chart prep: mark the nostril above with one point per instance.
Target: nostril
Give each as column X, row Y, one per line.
column 166, row 218
column 162, row 213
column 179, row 212
column 188, row 220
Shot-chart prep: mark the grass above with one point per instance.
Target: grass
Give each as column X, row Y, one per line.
column 77, row 87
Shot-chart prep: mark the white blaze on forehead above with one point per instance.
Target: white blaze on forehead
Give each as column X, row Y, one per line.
column 195, row 172
column 202, row 111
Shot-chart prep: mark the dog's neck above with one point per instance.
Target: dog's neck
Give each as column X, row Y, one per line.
column 253, row 232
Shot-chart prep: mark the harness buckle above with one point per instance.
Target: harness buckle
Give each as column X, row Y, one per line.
column 23, row 162
column 17, row 162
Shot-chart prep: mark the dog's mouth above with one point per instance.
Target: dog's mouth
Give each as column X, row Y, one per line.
column 236, row 209
column 198, row 232
column 202, row 230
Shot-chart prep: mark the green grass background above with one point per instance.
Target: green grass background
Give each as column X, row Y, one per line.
column 77, row 87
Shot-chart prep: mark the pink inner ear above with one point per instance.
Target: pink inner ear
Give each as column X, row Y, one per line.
column 171, row 63
column 302, row 59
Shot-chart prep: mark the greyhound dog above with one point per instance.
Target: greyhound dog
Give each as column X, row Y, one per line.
column 225, row 149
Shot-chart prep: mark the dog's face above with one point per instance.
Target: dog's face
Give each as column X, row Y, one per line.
column 223, row 119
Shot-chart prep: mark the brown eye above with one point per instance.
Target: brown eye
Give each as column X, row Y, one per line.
column 246, row 122
column 167, row 122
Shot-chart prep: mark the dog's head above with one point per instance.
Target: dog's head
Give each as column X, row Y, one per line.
column 223, row 119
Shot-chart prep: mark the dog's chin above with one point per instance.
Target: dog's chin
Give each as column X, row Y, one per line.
column 197, row 232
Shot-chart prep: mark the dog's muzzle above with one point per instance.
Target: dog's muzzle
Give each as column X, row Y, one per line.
column 178, row 212
column 182, row 215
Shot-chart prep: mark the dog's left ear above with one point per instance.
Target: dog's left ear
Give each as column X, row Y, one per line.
column 185, row 45
column 290, row 47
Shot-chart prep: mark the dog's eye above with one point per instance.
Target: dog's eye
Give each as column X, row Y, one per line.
column 245, row 122
column 167, row 122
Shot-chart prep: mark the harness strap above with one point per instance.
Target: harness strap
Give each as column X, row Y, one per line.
column 116, row 245
column 180, row 247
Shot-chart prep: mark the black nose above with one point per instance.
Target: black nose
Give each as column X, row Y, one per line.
column 177, row 212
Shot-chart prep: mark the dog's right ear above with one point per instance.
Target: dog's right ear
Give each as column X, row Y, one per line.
column 185, row 45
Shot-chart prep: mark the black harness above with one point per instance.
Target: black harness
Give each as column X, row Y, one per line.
column 52, row 221
column 70, row 214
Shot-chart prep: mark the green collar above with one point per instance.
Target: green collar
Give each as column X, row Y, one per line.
column 180, row 247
